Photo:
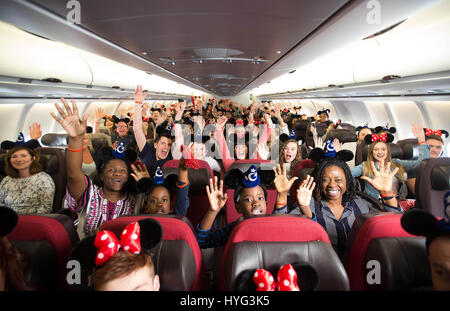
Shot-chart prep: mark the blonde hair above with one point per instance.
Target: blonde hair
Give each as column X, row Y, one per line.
column 367, row 168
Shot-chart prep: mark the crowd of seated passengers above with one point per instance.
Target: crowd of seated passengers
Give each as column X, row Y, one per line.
column 332, row 202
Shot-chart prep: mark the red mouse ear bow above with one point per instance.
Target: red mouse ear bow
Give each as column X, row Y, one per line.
column 189, row 159
column 287, row 279
column 107, row 244
column 264, row 281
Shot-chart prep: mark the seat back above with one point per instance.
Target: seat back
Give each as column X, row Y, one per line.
column 198, row 179
column 177, row 258
column 46, row 239
column 231, row 213
column 380, row 255
column 344, row 136
column 254, row 241
column 431, row 185
column 54, row 163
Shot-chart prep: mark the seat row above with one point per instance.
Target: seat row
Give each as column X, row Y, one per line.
column 380, row 255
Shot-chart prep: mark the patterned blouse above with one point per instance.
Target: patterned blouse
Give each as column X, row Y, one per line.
column 30, row 195
column 97, row 208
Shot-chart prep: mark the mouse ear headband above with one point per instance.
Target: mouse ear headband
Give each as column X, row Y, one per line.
column 139, row 236
column 295, row 277
column 31, row 144
column 385, row 128
column 429, row 132
column 385, row 137
column 329, row 152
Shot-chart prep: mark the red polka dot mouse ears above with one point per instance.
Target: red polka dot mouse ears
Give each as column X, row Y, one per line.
column 137, row 237
column 290, row 277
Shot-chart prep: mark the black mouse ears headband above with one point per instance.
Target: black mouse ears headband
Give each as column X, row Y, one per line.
column 329, row 152
column 8, row 220
column 385, row 128
column 327, row 111
column 251, row 178
column 385, row 137
column 139, row 236
column 32, row 143
column 117, row 120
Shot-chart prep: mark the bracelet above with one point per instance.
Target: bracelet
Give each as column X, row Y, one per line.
column 387, row 198
column 137, row 102
column 422, row 142
column 73, row 150
column 384, row 195
column 281, row 204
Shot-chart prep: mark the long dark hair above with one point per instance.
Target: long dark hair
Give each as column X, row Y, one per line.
column 349, row 194
column 12, row 263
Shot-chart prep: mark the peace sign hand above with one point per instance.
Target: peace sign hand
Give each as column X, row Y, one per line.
column 382, row 181
column 282, row 183
column 70, row 120
column 216, row 197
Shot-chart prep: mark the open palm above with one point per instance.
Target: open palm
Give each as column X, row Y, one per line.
column 216, row 197
column 70, row 120
column 304, row 192
column 382, row 180
column 282, row 183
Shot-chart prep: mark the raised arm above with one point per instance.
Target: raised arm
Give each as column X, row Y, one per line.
column 75, row 128
column 139, row 135
column 217, row 199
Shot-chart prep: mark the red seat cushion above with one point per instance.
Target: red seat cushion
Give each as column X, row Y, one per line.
column 381, row 226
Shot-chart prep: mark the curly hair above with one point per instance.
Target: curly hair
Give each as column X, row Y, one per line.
column 349, row 194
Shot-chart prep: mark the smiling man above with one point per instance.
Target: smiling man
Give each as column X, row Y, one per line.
column 159, row 153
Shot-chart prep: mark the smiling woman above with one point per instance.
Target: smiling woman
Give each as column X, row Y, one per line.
column 109, row 197
column 26, row 189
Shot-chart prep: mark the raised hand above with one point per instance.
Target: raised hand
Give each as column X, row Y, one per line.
column 99, row 114
column 139, row 96
column 70, row 120
column 263, row 150
column 217, row 198
column 35, row 131
column 282, row 183
column 139, row 171
column 382, row 180
column 337, row 145
column 417, row 130
column 220, row 124
column 304, row 191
